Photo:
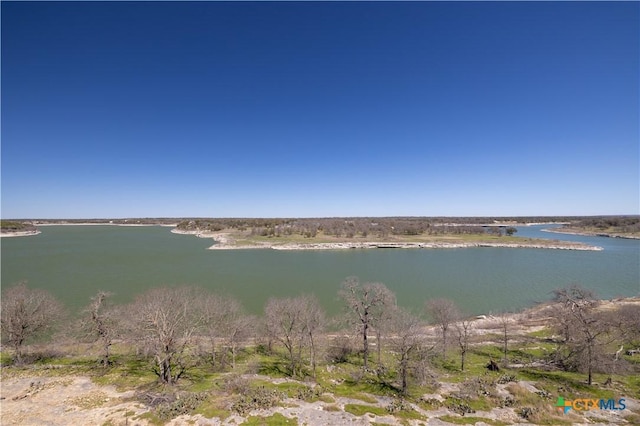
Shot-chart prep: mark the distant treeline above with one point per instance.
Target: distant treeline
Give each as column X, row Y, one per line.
column 353, row 226
column 338, row 227
column 365, row 226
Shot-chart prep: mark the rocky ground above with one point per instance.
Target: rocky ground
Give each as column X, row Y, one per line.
column 74, row 400
column 49, row 395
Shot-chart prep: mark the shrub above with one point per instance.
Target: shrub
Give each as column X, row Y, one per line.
column 340, row 350
column 183, row 404
column 506, row 378
column 235, row 384
column 255, row 399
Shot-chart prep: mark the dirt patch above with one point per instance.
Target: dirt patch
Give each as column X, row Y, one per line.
column 65, row 401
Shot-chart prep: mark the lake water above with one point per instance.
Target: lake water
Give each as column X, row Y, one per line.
column 74, row 262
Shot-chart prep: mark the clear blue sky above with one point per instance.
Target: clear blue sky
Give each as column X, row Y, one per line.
column 163, row 109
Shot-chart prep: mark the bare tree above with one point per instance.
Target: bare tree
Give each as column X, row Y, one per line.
column 296, row 322
column 231, row 324
column 315, row 321
column 442, row 312
column 407, row 340
column 366, row 303
column 27, row 314
column 585, row 331
column 626, row 321
column 464, row 329
column 381, row 325
column 100, row 322
column 624, row 325
column 164, row 320
column 504, row 320
column 286, row 318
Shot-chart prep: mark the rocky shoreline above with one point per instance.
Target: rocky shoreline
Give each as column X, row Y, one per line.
column 440, row 245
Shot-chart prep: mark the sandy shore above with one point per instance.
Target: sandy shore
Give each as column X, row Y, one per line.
column 19, row 234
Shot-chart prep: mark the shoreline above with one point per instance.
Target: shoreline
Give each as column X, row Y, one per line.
column 225, row 242
column 440, row 245
column 105, row 224
column 37, row 231
column 591, row 234
column 19, row 234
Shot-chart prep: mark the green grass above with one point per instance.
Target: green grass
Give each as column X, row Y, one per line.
column 347, row 380
column 409, row 415
column 348, row 393
column 542, row 410
column 215, row 408
column 469, row 420
column 567, row 384
column 150, row 417
column 126, row 373
column 291, row 389
column 5, row 358
column 545, row 333
column 275, row 420
column 406, row 413
column 361, row 410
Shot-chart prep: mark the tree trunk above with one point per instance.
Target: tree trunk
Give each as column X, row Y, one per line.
column 165, row 371
column 403, row 373
column 18, row 354
column 233, row 357
column 313, row 355
column 444, row 343
column 589, row 368
column 505, row 347
column 105, row 358
column 378, row 343
column 365, row 345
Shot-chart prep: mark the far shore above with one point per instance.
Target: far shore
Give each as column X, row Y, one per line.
column 36, row 232
column 225, row 241
column 168, row 225
column 591, row 234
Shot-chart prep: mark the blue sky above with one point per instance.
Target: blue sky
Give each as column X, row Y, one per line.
column 163, row 109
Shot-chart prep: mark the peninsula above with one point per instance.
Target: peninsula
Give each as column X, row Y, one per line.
column 368, row 233
column 17, row 229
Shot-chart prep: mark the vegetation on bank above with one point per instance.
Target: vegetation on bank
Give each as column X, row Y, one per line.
column 16, row 226
column 188, row 351
column 612, row 226
column 260, row 231
column 399, row 232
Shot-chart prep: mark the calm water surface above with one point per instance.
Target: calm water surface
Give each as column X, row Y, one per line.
column 74, row 262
